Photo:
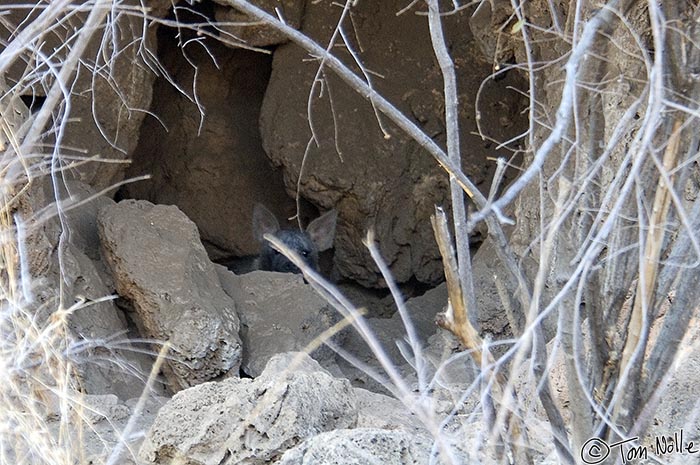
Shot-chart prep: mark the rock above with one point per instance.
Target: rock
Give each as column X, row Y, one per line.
column 437, row 345
column 392, row 334
column 493, row 317
column 258, row 34
column 82, row 220
column 677, row 408
column 102, row 330
column 102, row 429
column 360, row 446
column 279, row 313
column 94, row 409
column 110, row 93
column 98, row 426
column 371, row 172
column 487, row 19
column 214, row 168
column 380, row 411
column 160, row 265
column 244, row 421
column 97, row 328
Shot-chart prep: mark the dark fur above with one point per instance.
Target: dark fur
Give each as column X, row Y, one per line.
column 299, row 242
column 317, row 237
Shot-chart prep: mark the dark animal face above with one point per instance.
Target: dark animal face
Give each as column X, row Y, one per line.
column 317, row 237
column 299, row 242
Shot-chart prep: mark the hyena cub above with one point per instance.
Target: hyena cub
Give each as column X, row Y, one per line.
column 317, row 237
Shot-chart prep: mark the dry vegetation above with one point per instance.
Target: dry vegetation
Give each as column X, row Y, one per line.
column 609, row 185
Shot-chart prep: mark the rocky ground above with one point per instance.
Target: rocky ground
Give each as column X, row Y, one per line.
column 260, row 367
column 240, row 386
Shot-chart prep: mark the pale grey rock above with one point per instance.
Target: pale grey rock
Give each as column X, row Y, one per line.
column 160, row 265
column 678, row 409
column 100, row 422
column 107, row 362
column 360, row 446
column 244, row 421
column 384, row 412
column 96, row 408
column 83, row 205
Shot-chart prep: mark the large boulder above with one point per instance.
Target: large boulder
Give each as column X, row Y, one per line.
column 244, row 421
column 160, row 266
column 358, row 162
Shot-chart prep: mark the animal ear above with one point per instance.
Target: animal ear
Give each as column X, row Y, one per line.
column 322, row 230
column 264, row 222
